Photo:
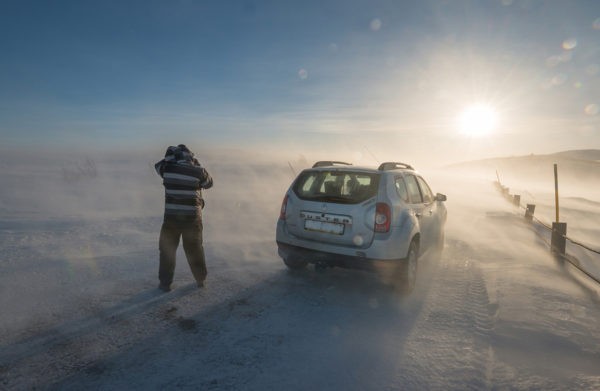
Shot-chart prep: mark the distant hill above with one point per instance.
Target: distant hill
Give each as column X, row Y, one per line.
column 577, row 167
column 583, row 154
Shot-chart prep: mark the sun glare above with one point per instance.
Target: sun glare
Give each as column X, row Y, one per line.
column 478, row 120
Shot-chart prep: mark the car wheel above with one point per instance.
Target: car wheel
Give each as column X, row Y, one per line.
column 408, row 269
column 294, row 263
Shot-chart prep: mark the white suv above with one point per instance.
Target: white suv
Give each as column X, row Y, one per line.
column 337, row 214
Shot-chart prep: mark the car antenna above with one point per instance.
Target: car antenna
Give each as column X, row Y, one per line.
column 292, row 168
column 371, row 153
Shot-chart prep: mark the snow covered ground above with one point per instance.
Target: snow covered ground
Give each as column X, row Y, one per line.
column 80, row 308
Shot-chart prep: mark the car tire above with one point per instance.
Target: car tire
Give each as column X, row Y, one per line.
column 407, row 273
column 295, row 263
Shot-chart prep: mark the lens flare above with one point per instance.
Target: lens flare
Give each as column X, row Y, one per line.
column 592, row 109
column 376, row 24
column 569, row 44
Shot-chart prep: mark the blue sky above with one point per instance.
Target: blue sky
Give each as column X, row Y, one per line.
column 377, row 73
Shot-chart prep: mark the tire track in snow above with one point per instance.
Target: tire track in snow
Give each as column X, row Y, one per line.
column 448, row 347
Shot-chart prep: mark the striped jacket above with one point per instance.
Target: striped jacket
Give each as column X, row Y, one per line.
column 183, row 181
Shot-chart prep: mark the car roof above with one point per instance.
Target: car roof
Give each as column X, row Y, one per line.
column 342, row 166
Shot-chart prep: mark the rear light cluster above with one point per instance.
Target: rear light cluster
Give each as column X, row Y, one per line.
column 283, row 208
column 383, row 217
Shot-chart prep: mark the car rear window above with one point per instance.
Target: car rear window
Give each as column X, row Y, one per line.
column 344, row 187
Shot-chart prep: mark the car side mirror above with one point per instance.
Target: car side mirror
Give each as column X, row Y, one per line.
column 440, row 197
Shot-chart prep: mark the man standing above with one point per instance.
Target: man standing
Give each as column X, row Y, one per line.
column 183, row 179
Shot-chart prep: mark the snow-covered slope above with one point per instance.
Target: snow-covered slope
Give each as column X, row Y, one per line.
column 80, row 308
column 578, row 172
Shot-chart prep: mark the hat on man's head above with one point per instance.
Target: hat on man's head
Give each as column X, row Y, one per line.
column 185, row 153
column 170, row 153
column 178, row 153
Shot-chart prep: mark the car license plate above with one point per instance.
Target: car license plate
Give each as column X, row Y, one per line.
column 324, row 226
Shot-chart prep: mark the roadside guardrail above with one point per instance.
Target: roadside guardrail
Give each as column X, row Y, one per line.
column 558, row 230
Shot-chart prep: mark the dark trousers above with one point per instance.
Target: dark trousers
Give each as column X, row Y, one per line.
column 191, row 234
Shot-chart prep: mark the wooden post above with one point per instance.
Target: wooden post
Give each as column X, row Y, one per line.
column 559, row 240
column 556, row 190
column 516, row 200
column 559, row 230
column 529, row 212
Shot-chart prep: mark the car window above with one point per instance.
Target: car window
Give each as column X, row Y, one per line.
column 336, row 186
column 401, row 189
column 307, row 185
column 425, row 190
column 413, row 189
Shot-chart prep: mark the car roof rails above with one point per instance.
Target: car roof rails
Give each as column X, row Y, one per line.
column 326, row 163
column 393, row 166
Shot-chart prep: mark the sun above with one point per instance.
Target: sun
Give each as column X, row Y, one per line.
column 478, row 120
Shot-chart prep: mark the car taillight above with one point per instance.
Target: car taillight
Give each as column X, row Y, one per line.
column 283, row 207
column 383, row 217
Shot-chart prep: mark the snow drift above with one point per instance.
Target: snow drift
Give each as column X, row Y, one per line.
column 78, row 276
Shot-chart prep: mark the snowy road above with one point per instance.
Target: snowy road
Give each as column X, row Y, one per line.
column 495, row 312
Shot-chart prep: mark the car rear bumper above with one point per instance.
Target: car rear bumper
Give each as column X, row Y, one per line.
column 338, row 260
column 389, row 246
